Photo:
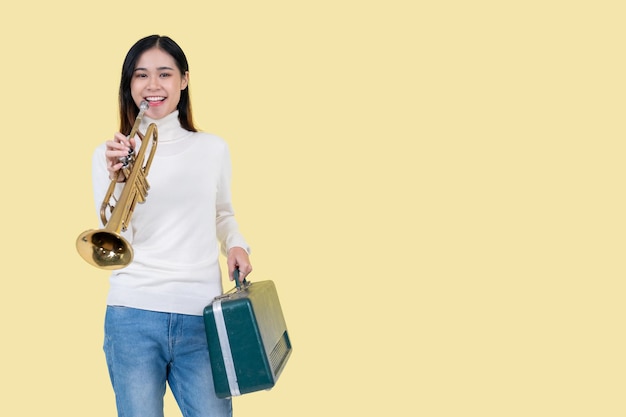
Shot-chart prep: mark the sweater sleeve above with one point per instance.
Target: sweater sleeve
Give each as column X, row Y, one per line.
column 99, row 178
column 227, row 227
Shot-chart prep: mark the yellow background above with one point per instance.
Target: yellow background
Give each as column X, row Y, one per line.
column 436, row 188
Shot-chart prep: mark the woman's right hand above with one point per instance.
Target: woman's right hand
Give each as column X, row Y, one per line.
column 117, row 148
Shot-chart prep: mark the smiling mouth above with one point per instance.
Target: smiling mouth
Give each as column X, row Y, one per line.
column 155, row 99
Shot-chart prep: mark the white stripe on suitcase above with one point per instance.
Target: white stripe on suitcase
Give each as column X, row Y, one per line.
column 222, row 335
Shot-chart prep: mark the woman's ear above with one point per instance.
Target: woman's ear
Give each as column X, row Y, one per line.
column 185, row 81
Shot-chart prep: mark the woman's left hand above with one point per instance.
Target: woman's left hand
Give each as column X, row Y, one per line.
column 238, row 259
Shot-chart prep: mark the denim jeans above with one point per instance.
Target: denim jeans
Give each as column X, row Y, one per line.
column 146, row 349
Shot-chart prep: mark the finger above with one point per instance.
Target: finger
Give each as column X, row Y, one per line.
column 244, row 271
column 119, row 138
column 231, row 268
column 114, row 171
column 115, row 148
column 115, row 167
column 115, row 154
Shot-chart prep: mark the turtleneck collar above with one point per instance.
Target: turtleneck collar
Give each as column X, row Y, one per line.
column 169, row 128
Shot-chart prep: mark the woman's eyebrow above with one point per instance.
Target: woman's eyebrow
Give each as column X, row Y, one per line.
column 158, row 69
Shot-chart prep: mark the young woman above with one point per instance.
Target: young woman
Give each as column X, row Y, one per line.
column 154, row 329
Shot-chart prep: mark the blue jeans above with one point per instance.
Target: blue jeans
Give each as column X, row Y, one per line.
column 146, row 349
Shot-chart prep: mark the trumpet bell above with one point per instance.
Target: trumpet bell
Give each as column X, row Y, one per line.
column 104, row 249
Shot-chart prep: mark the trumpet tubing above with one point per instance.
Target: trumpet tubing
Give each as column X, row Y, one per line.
column 106, row 248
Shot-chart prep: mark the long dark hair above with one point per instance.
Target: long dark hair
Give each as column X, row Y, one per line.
column 128, row 108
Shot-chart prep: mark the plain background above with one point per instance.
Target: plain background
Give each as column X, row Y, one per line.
column 436, row 189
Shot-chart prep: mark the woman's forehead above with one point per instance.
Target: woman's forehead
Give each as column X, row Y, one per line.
column 155, row 58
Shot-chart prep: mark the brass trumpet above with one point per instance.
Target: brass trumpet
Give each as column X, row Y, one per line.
column 107, row 248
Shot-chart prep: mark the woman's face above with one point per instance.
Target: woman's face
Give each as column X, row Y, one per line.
column 157, row 80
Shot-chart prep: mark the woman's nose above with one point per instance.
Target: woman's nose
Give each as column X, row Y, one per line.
column 153, row 82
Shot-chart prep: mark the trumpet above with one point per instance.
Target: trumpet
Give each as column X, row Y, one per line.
column 106, row 248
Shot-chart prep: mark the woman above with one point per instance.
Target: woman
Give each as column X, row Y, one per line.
column 154, row 329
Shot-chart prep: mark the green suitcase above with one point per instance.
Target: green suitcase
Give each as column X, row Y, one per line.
column 248, row 340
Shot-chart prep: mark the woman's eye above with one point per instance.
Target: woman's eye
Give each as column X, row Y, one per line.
column 165, row 75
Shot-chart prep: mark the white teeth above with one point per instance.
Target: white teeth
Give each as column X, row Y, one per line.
column 155, row 98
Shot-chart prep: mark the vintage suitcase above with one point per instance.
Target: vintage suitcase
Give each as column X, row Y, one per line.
column 248, row 340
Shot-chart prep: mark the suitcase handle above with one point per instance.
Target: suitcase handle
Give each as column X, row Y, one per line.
column 240, row 285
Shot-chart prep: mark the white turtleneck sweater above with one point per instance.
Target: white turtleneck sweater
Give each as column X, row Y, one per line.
column 177, row 232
